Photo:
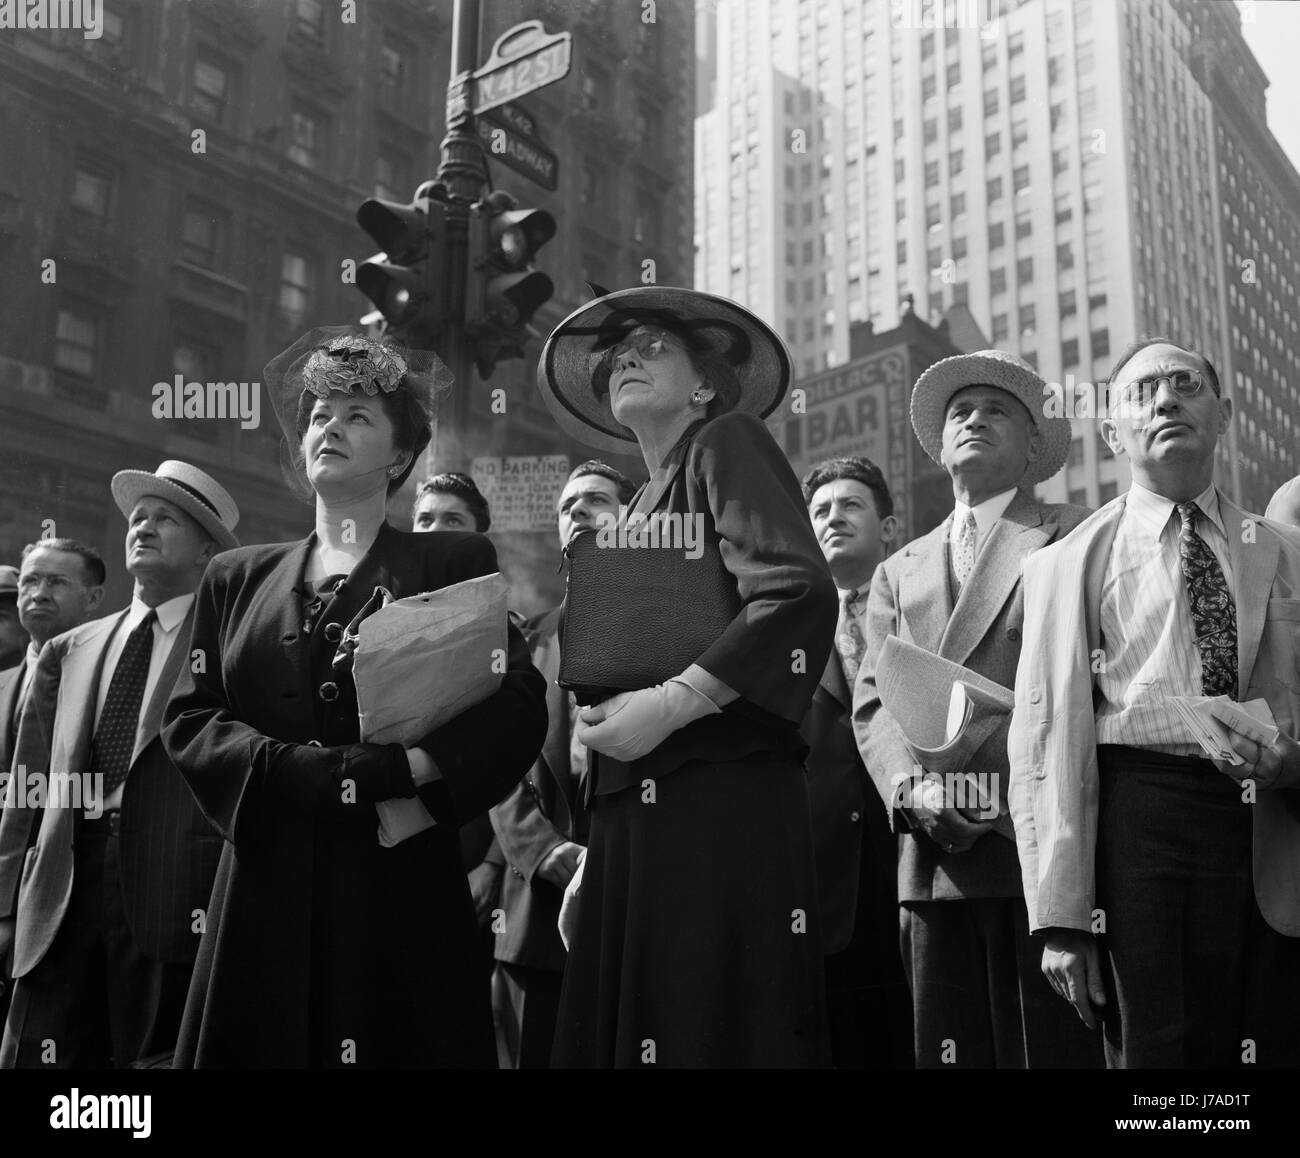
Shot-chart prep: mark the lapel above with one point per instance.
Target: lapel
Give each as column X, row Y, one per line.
column 8, row 725
column 996, row 573
column 1253, row 566
column 649, row 496
column 834, row 684
column 151, row 718
column 83, row 666
column 555, row 751
column 350, row 596
column 924, row 601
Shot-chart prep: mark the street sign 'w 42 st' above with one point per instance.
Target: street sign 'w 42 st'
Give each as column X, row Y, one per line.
column 523, row 59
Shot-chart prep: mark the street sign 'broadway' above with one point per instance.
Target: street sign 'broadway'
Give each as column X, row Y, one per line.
column 507, row 136
column 524, row 58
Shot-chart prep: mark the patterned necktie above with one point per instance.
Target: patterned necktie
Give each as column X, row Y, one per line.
column 849, row 640
column 963, row 549
column 110, row 750
column 1214, row 615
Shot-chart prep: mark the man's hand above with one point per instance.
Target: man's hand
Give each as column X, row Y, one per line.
column 947, row 827
column 1277, row 766
column 485, row 888
column 560, row 864
column 1072, row 966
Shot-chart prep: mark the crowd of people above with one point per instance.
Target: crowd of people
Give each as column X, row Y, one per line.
column 739, row 861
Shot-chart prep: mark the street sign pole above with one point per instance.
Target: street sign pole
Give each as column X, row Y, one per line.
column 461, row 170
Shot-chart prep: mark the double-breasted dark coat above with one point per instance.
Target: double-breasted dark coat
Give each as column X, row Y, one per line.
column 321, row 947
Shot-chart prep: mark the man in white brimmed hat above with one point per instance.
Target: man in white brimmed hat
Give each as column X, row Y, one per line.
column 102, row 912
column 978, row 996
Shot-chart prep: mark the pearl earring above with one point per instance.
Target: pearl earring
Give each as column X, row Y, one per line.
column 697, row 396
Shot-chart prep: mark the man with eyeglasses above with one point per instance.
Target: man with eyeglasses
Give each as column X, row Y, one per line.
column 1148, row 868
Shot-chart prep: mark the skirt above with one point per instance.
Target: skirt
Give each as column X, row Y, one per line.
column 698, row 940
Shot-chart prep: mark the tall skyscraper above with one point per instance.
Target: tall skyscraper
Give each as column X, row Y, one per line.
column 1076, row 172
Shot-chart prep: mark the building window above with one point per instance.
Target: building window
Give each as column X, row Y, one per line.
column 931, row 131
column 1015, row 45
column 953, row 76
column 992, row 145
column 928, row 88
column 194, row 361
column 1060, row 162
column 1020, row 179
column 1100, row 341
column 210, row 89
column 645, row 225
column 392, row 175
column 990, row 102
column 957, row 206
column 931, row 174
column 1031, row 358
column 1025, row 270
column 1055, row 69
column 993, row 190
column 200, row 239
column 1070, row 352
column 1065, row 256
column 956, row 160
column 92, row 192
column 309, row 19
column 932, row 217
column 998, row 285
column 76, row 342
column 997, row 235
column 936, row 305
column 1024, row 226
column 1067, row 305
column 1107, row 491
column 394, row 73
column 954, row 120
column 595, row 84
column 1017, row 89
column 958, row 248
column 295, row 288
column 305, row 138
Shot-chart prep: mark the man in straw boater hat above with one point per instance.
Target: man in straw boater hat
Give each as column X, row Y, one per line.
column 978, row 995
column 103, row 912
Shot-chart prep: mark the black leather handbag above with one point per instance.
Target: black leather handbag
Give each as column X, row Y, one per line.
column 637, row 616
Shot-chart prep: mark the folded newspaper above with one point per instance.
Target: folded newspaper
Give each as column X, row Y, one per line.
column 945, row 711
column 1212, row 720
column 420, row 662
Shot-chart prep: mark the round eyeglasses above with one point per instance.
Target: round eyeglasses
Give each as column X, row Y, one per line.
column 648, row 345
column 1184, row 383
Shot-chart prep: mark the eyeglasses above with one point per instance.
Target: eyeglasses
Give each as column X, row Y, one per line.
column 1184, row 383
column 649, row 345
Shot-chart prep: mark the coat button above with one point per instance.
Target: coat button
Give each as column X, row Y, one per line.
column 329, row 691
column 855, row 816
column 1013, row 634
column 333, row 632
column 290, row 637
column 1035, row 696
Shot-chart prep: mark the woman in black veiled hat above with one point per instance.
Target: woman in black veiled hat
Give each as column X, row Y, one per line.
column 696, row 940
column 322, row 947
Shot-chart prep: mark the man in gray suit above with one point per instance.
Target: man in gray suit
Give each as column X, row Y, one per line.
column 977, row 992
column 542, row 825
column 106, row 907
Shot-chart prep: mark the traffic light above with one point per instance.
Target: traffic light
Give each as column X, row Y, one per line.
column 405, row 281
column 510, row 291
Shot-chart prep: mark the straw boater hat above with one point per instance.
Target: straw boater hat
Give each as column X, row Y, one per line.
column 935, row 388
column 573, row 351
column 197, row 493
column 346, row 359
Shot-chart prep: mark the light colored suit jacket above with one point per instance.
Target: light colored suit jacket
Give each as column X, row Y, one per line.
column 1052, row 744
column 169, row 853
column 911, row 598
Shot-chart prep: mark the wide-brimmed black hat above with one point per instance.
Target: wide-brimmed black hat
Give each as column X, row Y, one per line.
column 573, row 353
column 346, row 359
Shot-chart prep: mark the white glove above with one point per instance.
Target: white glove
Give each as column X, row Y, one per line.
column 631, row 724
column 568, row 921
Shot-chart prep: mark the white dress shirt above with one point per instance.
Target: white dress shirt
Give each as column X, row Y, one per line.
column 170, row 617
column 987, row 513
column 1147, row 636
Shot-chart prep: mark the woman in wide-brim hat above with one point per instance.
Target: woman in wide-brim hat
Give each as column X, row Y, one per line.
column 321, row 947
column 696, row 915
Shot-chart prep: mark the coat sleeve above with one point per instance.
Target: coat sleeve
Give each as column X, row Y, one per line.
column 774, row 651
column 880, row 740
column 240, row 777
column 526, row 837
column 485, row 751
column 31, row 758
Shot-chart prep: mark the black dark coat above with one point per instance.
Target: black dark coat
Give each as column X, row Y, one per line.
column 321, row 947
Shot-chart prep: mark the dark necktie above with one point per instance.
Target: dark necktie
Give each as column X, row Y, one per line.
column 115, row 737
column 1214, row 615
column 849, row 640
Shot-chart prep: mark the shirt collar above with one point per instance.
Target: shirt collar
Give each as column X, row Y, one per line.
column 987, row 512
column 33, row 653
column 170, row 614
column 1152, row 511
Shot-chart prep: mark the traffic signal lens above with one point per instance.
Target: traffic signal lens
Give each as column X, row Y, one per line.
column 514, row 246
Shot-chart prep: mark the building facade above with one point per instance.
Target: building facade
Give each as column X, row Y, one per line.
column 1074, row 172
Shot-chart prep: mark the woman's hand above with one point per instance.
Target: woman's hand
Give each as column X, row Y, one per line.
column 423, row 769
column 631, row 724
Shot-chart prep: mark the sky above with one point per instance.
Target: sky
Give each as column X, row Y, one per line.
column 1272, row 29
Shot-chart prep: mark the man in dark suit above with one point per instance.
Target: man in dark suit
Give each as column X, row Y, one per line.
column 974, row 971
column 109, row 901
column 60, row 586
column 542, row 825
column 868, row 1005
column 13, row 639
